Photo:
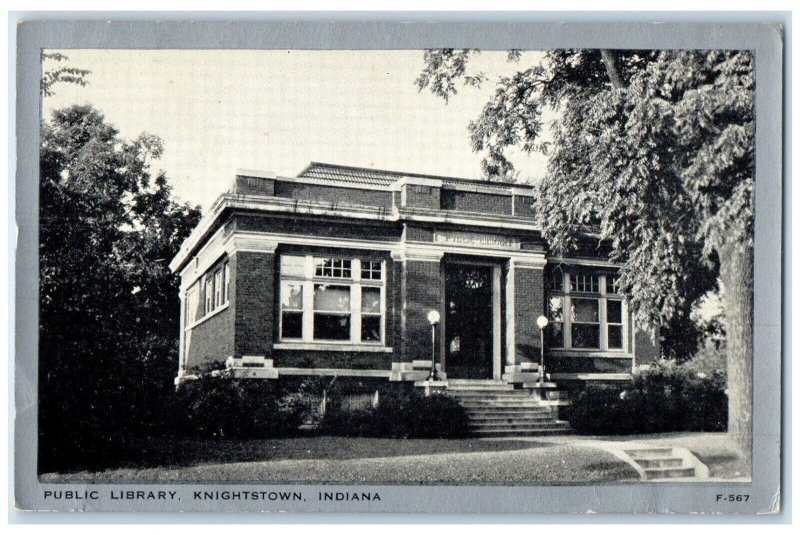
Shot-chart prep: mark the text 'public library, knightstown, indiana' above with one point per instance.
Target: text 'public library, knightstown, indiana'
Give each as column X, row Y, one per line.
column 337, row 272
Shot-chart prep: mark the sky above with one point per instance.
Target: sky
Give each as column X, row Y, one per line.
column 222, row 110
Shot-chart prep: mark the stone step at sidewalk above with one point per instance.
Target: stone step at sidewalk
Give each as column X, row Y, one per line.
column 650, row 453
column 669, row 472
column 660, row 462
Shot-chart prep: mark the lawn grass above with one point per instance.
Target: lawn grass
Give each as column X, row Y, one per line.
column 337, row 459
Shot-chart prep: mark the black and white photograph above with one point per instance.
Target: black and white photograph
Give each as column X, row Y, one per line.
column 425, row 266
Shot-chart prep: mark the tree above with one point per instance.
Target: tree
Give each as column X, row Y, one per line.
column 654, row 151
column 108, row 303
column 60, row 74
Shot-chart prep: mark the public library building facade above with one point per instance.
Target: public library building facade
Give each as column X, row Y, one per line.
column 335, row 271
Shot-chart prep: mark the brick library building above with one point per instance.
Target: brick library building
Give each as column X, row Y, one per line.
column 390, row 276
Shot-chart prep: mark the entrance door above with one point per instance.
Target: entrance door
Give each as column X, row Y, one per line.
column 469, row 321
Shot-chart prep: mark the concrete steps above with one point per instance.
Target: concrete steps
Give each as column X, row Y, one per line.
column 498, row 409
column 664, row 463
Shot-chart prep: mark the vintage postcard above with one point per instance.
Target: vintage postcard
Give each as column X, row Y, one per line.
column 498, row 267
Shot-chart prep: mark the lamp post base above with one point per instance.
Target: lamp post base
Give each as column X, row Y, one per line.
column 432, row 387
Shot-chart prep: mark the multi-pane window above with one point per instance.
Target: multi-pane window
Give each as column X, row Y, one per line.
column 226, row 283
column 331, row 299
column 215, row 288
column 585, row 311
column 192, row 304
column 555, row 325
column 371, row 270
column 209, row 294
column 219, row 289
column 370, row 314
column 614, row 323
column 612, row 284
column 583, row 282
column 585, row 316
column 555, row 281
column 331, row 312
column 337, row 268
column 291, row 309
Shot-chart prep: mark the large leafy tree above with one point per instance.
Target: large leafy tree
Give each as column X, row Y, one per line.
column 652, row 150
column 108, row 302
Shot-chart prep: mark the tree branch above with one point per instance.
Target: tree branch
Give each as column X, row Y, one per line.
column 610, row 62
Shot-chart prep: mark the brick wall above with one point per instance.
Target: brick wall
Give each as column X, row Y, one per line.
column 330, row 194
column 421, row 292
column 469, row 201
column 253, row 281
column 523, row 206
column 415, row 233
column 587, row 365
column 317, row 227
column 528, row 305
column 418, row 196
column 250, row 185
column 210, row 343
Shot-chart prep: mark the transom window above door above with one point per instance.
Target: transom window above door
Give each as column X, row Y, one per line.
column 332, row 300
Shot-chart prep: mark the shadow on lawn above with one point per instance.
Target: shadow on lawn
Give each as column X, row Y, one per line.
column 171, row 452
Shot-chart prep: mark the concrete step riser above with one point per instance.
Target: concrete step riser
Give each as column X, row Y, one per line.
column 655, row 473
column 661, row 463
column 498, row 399
column 504, row 425
column 539, row 433
column 493, row 404
column 508, row 389
column 503, row 395
column 650, row 453
column 510, row 419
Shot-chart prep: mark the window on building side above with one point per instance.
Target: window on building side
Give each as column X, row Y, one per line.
column 226, row 283
column 215, row 288
column 371, row 270
column 218, row 288
column 291, row 309
column 555, row 281
column 585, row 316
column 337, row 268
column 555, row 326
column 315, row 308
column 192, row 304
column 582, row 282
column 614, row 323
column 371, row 314
column 595, row 318
column 612, row 284
column 209, row 294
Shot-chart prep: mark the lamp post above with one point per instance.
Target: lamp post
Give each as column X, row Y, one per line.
column 541, row 321
column 433, row 319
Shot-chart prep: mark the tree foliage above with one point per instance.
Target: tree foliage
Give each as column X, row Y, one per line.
column 108, row 303
column 61, row 74
column 656, row 160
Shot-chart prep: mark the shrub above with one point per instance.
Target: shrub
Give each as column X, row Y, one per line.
column 399, row 414
column 436, row 416
column 666, row 398
column 222, row 407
